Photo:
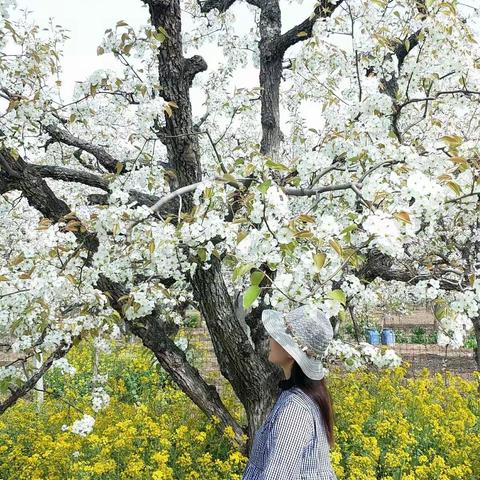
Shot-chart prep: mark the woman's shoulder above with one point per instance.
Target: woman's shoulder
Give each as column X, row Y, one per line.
column 296, row 394
column 290, row 415
column 294, row 400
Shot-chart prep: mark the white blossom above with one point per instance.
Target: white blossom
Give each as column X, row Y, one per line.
column 83, row 426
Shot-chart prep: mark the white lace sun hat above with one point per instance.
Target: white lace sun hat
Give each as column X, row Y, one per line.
column 304, row 333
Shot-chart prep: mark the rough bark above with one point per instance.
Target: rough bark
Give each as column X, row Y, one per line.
column 86, row 178
column 252, row 377
column 270, row 76
column 175, row 74
column 105, row 159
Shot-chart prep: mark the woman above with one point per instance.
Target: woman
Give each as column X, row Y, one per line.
column 294, row 441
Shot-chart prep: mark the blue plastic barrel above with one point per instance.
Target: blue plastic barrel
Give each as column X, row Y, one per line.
column 388, row 336
column 373, row 337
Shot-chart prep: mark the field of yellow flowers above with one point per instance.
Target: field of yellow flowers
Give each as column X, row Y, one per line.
column 387, row 427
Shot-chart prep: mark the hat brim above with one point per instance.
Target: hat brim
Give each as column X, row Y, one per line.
column 275, row 326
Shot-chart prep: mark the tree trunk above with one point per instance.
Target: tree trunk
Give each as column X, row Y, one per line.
column 242, row 361
column 270, row 76
column 252, row 377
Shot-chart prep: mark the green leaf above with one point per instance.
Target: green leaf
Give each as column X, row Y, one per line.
column 452, row 140
column 71, row 279
column 264, row 186
column 447, row 8
column 249, row 169
column 151, row 246
column 319, row 261
column 459, row 161
column 229, row 178
column 256, row 277
column 208, row 193
column 126, row 49
column 119, row 167
column 250, row 295
column 159, row 36
column 9, row 27
column 306, row 218
column 303, row 234
column 17, row 260
column 163, row 32
column 100, row 51
column 14, row 153
column 336, row 246
column 338, row 295
column 276, row 166
column 241, row 270
column 346, row 232
column 241, row 235
column 440, row 310
column 455, row 187
column 349, row 228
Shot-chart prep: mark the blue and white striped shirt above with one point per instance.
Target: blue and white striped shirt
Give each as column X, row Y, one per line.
column 292, row 442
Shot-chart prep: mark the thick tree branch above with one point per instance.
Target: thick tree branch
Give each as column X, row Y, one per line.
column 106, row 160
column 63, row 136
column 192, row 66
column 221, row 5
column 155, row 335
column 438, row 94
column 303, row 30
column 401, row 51
column 294, row 192
column 93, row 180
column 380, row 265
column 69, row 175
column 17, row 393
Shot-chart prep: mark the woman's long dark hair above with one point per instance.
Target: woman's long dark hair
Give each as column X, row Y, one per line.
column 316, row 389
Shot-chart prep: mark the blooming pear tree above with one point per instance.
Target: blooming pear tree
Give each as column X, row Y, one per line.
column 124, row 207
